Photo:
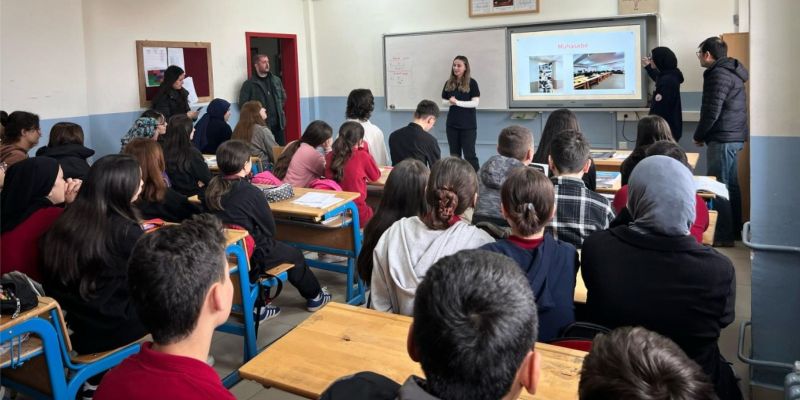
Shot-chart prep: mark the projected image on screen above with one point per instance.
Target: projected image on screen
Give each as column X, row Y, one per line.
column 598, row 71
column 544, row 74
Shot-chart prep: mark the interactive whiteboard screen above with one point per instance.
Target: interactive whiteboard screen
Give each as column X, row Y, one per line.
column 575, row 65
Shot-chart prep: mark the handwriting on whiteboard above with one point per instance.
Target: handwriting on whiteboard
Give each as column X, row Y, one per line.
column 399, row 72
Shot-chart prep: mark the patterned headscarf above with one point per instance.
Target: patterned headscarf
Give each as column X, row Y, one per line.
column 144, row 127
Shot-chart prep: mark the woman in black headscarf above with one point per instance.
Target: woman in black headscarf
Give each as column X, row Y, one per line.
column 662, row 67
column 212, row 129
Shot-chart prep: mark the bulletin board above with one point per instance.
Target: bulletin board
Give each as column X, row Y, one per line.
column 153, row 57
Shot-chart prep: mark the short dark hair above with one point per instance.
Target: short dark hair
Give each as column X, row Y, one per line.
column 528, row 198
column 426, row 108
column 257, row 57
column 65, row 133
column 569, row 150
column 170, row 272
column 514, row 141
column 669, row 149
column 715, row 46
column 634, row 363
column 474, row 322
column 360, row 104
column 15, row 123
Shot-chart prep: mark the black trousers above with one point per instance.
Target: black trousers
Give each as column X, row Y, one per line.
column 463, row 140
column 300, row 276
column 280, row 137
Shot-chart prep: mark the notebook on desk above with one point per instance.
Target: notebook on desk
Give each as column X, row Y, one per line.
column 607, row 179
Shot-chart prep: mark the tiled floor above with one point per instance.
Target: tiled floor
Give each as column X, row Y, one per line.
column 227, row 349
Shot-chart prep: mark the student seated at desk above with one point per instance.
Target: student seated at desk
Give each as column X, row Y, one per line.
column 157, row 199
column 33, row 189
column 637, row 364
column 473, row 333
column 351, row 166
column 550, row 265
column 579, row 211
column 180, row 286
column 213, row 128
column 649, row 130
column 415, row 141
column 237, row 202
column 515, row 149
column 144, row 128
column 66, row 146
column 252, row 128
column 652, row 273
column 301, row 163
column 360, row 104
column 186, row 168
column 20, row 133
column 411, row 245
column 403, row 196
column 561, row 120
column 669, row 149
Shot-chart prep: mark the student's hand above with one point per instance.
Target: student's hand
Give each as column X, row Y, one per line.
column 452, row 100
column 192, row 114
column 71, row 191
column 698, row 144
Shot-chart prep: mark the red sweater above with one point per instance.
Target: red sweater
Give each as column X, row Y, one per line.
column 155, row 375
column 359, row 169
column 701, row 212
column 19, row 247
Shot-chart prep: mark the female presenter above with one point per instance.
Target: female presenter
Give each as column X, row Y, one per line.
column 461, row 93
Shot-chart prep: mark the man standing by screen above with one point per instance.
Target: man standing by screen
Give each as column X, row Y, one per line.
column 267, row 88
column 723, row 117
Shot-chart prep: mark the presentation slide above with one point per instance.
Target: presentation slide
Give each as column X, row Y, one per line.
column 592, row 64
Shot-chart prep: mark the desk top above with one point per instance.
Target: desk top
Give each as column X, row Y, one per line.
column 286, row 208
column 353, row 339
column 613, row 163
column 233, row 235
column 385, row 171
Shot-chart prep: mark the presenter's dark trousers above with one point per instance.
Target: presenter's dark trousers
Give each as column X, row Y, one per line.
column 463, row 140
column 279, row 135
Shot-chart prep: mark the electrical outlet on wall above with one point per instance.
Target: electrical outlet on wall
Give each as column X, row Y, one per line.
column 623, row 145
column 628, row 116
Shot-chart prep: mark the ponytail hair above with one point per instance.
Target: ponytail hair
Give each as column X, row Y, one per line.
column 315, row 135
column 528, row 199
column 231, row 158
column 350, row 135
column 451, row 190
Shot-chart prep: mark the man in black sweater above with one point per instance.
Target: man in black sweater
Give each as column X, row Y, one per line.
column 414, row 141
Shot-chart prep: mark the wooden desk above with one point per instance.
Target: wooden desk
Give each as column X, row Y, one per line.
column 287, row 209
column 353, row 339
column 613, row 163
column 33, row 346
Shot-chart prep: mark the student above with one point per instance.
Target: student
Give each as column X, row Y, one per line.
column 21, row 133
column 351, row 165
column 143, row 127
column 561, row 120
column 180, row 286
column 403, row 196
column 637, row 364
column 579, row 211
column 171, row 98
column 66, row 146
column 411, row 245
column 301, row 162
column 157, row 200
column 34, row 187
column 252, row 128
column 670, row 149
column 415, row 141
column 652, row 273
column 186, row 168
column 662, row 67
column 161, row 122
column 462, row 95
column 550, row 265
column 473, row 333
column 212, row 129
column 85, row 256
column 237, row 202
column 360, row 104
column 649, row 130
column 515, row 149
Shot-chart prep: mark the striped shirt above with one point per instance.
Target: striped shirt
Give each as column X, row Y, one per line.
column 579, row 211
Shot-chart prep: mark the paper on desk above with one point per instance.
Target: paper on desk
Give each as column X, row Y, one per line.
column 317, row 200
column 708, row 184
column 620, row 156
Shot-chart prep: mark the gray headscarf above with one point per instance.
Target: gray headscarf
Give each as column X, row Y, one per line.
column 661, row 197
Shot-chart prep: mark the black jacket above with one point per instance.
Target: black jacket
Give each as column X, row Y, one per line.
column 723, row 116
column 666, row 101
column 172, row 102
column 670, row 285
column 174, row 208
column 71, row 158
column 413, row 142
column 184, row 181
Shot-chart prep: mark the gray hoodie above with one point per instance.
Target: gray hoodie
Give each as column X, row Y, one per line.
column 405, row 252
column 490, row 178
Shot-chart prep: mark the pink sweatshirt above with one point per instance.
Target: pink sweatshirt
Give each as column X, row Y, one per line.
column 307, row 164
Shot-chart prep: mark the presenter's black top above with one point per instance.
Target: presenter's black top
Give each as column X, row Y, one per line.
column 460, row 117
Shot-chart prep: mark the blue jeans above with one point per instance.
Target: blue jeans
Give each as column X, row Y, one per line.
column 723, row 165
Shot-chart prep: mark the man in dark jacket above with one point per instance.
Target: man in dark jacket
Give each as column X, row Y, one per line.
column 267, row 88
column 723, row 117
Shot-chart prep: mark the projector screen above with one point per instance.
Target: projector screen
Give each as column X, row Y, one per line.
column 578, row 65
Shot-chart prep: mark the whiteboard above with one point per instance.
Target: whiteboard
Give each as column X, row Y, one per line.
column 417, row 65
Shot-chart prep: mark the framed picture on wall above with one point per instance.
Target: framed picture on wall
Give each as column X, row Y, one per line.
column 484, row 8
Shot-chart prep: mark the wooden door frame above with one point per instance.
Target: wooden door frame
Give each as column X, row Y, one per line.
column 291, row 77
